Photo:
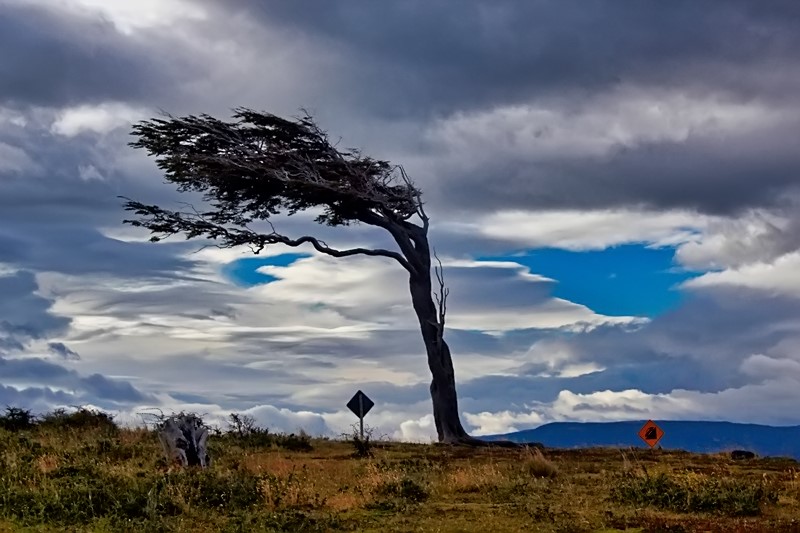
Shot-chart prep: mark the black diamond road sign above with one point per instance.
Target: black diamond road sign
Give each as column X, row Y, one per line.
column 360, row 404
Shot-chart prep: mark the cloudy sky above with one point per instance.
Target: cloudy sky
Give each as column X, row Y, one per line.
column 613, row 186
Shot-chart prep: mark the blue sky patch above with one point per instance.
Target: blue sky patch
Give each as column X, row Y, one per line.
column 244, row 272
column 631, row 279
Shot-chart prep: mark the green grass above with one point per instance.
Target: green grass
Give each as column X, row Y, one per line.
column 82, row 473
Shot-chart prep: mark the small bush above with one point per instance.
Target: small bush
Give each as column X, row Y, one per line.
column 81, row 419
column 17, row 419
column 243, row 430
column 243, row 425
column 396, row 495
column 405, row 489
column 535, row 464
column 295, row 443
column 362, row 447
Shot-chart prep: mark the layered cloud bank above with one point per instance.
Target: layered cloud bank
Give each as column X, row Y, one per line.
column 614, row 195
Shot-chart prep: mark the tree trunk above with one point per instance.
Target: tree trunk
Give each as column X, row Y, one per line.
column 443, row 385
column 413, row 242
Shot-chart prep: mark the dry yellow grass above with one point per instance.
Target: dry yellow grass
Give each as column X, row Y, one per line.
column 46, row 463
column 474, row 477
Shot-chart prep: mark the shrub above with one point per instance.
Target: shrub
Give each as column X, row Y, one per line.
column 81, row 419
column 535, row 464
column 396, row 495
column 17, row 419
column 406, row 489
column 296, row 443
column 242, row 430
column 362, row 447
column 244, row 425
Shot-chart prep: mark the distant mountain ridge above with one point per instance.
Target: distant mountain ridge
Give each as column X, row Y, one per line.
column 693, row 436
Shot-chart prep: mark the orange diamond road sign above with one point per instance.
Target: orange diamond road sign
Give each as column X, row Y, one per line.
column 651, row 433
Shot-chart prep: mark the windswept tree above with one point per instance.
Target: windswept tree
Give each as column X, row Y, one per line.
column 260, row 165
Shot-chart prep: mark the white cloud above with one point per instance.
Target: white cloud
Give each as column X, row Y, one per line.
column 153, row 329
column 101, row 118
column 585, row 230
column 625, row 117
column 732, row 242
column 781, row 276
column 419, row 430
column 762, row 366
column 277, row 420
column 10, row 116
column 129, row 16
column 486, row 423
column 288, row 421
column 770, row 402
column 89, row 173
column 376, row 291
column 553, row 313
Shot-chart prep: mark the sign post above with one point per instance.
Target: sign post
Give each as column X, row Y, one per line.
column 360, row 404
column 651, row 433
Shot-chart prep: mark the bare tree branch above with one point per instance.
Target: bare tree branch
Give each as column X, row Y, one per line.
column 441, row 298
column 163, row 223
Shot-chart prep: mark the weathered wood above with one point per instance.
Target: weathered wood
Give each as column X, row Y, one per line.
column 184, row 440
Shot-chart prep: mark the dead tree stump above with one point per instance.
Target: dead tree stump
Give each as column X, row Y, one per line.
column 183, row 438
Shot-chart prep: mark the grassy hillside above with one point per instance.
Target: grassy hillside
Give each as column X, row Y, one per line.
column 82, row 473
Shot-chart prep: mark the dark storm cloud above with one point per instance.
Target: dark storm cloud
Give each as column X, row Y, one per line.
column 63, row 351
column 717, row 327
column 24, row 315
column 93, row 388
column 37, row 399
column 79, row 250
column 49, row 213
column 719, row 176
column 101, row 387
column 421, row 57
column 56, row 58
column 424, row 60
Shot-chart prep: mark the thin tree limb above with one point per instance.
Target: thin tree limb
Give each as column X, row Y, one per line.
column 163, row 223
column 441, row 299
